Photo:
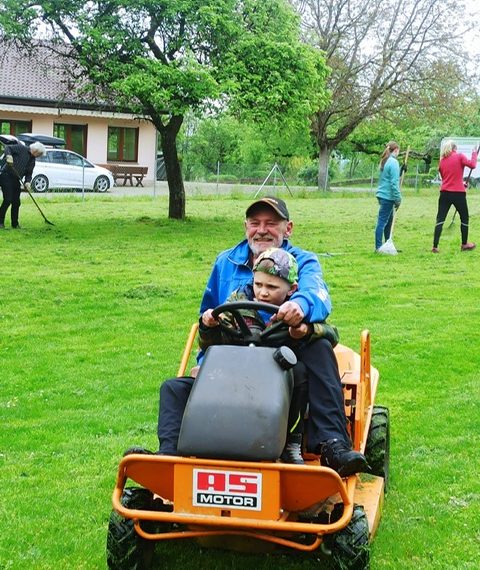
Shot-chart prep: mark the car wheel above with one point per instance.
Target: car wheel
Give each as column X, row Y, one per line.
column 102, row 184
column 40, row 183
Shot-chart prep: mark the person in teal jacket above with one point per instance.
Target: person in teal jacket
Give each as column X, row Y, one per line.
column 388, row 192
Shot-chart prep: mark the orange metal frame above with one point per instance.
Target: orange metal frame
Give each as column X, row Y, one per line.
column 286, row 489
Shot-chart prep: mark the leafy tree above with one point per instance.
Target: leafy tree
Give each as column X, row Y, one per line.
column 163, row 58
column 246, row 144
column 383, row 56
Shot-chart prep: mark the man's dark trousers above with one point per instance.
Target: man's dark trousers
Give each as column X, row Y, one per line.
column 11, row 197
column 327, row 413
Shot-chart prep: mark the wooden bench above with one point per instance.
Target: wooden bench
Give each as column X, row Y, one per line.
column 127, row 173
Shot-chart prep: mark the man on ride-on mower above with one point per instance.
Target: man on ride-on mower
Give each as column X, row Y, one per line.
column 268, row 225
column 275, row 279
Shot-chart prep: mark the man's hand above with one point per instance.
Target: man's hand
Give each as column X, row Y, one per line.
column 397, row 205
column 27, row 186
column 299, row 332
column 291, row 313
column 9, row 159
column 208, row 320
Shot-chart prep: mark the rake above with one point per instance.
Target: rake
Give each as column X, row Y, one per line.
column 30, row 194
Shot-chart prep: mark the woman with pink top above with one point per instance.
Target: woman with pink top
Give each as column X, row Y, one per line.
column 453, row 191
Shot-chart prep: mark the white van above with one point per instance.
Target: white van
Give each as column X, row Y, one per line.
column 465, row 145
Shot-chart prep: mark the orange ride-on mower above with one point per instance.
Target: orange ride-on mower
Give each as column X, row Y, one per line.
column 227, row 489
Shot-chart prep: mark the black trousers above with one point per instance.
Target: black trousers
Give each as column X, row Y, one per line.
column 318, row 370
column 445, row 201
column 11, row 197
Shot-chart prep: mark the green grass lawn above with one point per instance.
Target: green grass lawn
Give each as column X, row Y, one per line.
column 94, row 315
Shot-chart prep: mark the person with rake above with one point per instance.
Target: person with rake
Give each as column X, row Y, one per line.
column 453, row 192
column 18, row 162
column 388, row 193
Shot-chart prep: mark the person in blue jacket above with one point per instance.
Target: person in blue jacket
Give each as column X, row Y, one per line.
column 268, row 225
column 388, row 192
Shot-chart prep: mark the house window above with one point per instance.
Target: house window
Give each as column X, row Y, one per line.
column 15, row 128
column 75, row 136
column 122, row 144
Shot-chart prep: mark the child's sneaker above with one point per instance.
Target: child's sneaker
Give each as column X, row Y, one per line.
column 468, row 246
column 292, row 452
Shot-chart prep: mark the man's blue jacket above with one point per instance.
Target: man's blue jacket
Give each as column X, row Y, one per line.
column 231, row 271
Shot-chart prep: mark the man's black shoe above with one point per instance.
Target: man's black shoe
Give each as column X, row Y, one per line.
column 342, row 458
column 292, row 452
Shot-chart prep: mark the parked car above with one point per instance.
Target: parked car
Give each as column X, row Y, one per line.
column 66, row 169
column 62, row 168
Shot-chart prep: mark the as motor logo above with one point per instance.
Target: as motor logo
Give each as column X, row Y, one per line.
column 233, row 489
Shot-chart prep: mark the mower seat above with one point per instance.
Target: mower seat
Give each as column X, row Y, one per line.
column 238, row 406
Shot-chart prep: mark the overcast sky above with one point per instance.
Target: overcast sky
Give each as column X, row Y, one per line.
column 472, row 40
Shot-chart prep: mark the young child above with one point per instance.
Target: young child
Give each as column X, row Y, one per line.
column 275, row 276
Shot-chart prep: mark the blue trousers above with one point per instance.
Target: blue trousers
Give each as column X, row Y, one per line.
column 384, row 222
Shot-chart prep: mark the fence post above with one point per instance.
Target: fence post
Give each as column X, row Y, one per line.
column 218, row 173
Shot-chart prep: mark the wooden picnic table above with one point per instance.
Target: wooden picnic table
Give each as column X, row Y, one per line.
column 128, row 173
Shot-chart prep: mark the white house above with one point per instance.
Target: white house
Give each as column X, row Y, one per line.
column 40, row 98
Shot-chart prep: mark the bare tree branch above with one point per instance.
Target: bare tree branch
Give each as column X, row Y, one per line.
column 381, row 55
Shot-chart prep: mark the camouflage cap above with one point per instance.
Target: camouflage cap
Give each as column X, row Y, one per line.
column 278, row 262
column 276, row 204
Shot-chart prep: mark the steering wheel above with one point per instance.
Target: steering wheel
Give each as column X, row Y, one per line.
column 274, row 335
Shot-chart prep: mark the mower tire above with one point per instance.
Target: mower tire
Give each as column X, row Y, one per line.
column 377, row 449
column 349, row 548
column 126, row 550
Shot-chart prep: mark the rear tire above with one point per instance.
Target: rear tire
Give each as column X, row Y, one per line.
column 126, row 550
column 102, row 184
column 349, row 547
column 40, row 183
column 377, row 449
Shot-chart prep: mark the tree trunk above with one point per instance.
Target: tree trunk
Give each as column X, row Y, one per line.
column 323, row 157
column 176, row 189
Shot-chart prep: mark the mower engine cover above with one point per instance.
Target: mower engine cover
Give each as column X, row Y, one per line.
column 238, row 406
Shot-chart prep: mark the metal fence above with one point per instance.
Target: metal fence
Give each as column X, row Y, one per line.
column 362, row 174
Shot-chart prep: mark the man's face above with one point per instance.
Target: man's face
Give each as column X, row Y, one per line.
column 264, row 228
